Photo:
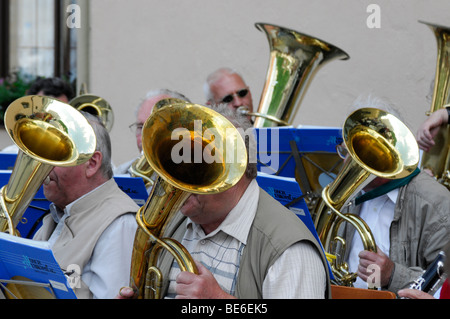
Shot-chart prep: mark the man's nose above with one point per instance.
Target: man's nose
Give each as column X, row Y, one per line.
column 237, row 101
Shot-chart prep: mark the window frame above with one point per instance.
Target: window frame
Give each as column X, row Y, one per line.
column 62, row 42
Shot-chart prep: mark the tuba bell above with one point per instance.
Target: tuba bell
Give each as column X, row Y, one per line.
column 294, row 59
column 178, row 179
column 48, row 133
column 379, row 145
column 95, row 105
column 437, row 159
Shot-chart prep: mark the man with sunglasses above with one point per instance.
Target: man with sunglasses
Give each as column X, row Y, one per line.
column 227, row 86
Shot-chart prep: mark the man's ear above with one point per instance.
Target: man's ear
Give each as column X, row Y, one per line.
column 94, row 164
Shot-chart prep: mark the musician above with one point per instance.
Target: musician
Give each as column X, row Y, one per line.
column 245, row 243
column 91, row 225
column 430, row 127
column 409, row 219
column 143, row 111
column 227, row 86
column 52, row 87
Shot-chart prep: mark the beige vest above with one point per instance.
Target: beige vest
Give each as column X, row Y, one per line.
column 274, row 229
column 89, row 217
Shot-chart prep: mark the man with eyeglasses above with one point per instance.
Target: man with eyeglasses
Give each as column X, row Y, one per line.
column 227, row 86
column 143, row 111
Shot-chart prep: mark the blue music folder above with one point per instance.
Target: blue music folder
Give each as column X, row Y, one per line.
column 7, row 161
column 285, row 190
column 133, row 187
column 33, row 260
column 274, row 152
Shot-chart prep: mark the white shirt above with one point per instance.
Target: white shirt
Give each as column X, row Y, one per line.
column 220, row 252
column 109, row 266
column 378, row 213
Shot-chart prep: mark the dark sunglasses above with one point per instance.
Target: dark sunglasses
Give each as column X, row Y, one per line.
column 228, row 98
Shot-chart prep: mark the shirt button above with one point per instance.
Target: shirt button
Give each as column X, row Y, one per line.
column 203, row 242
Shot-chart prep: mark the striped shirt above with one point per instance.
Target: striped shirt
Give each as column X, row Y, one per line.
column 296, row 274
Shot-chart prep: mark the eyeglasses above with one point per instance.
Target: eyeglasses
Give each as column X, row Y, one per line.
column 136, row 127
column 229, row 98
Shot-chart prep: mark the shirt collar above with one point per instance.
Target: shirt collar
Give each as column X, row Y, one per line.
column 57, row 214
column 393, row 195
column 239, row 220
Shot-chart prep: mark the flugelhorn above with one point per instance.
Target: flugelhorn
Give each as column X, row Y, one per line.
column 48, row 133
column 294, row 60
column 178, row 178
column 437, row 159
column 379, row 145
column 95, row 105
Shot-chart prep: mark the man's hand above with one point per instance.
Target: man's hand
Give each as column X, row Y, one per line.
column 201, row 286
column 126, row 293
column 414, row 294
column 386, row 265
column 430, row 127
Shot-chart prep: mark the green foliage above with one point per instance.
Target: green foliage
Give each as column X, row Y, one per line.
column 11, row 88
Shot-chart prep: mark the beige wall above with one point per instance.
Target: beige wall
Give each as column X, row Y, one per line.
column 140, row 45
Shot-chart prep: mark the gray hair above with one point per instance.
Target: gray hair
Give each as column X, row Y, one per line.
column 103, row 143
column 245, row 128
column 157, row 92
column 213, row 77
column 371, row 100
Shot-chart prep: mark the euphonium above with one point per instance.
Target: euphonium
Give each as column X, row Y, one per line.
column 294, row 60
column 140, row 167
column 48, row 133
column 437, row 159
column 379, row 145
column 178, row 178
column 95, row 105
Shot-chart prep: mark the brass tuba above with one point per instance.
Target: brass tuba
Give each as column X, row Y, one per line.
column 48, row 133
column 95, row 105
column 437, row 159
column 177, row 179
column 294, row 59
column 379, row 145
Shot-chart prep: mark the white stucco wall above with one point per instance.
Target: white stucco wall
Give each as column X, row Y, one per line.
column 139, row 45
